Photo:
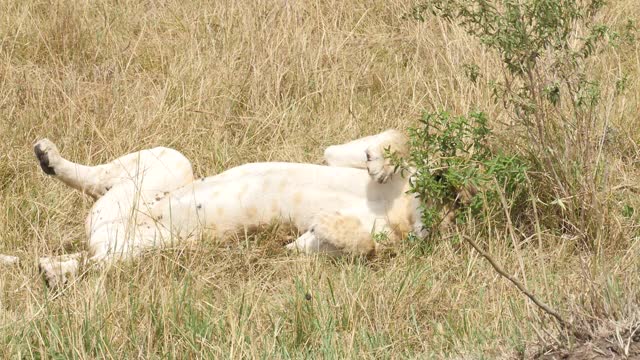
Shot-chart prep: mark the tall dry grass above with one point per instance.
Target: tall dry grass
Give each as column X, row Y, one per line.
column 232, row 82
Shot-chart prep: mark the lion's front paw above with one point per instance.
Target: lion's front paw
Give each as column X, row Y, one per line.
column 379, row 168
column 47, row 154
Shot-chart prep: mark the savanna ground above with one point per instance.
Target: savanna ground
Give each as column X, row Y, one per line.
column 229, row 82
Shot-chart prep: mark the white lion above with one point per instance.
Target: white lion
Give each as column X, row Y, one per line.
column 149, row 198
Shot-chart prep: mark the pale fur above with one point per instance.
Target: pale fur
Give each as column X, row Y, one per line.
column 149, row 198
column 334, row 233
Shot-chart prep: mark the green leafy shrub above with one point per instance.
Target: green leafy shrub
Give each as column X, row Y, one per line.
column 551, row 97
column 453, row 164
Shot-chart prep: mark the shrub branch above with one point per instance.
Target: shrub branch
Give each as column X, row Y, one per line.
column 546, row 308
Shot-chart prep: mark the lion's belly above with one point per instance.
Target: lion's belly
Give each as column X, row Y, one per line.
column 118, row 221
column 233, row 206
column 257, row 194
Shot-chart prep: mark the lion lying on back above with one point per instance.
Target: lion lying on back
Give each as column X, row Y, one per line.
column 149, row 199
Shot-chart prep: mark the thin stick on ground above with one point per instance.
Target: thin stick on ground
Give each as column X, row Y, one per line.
column 563, row 323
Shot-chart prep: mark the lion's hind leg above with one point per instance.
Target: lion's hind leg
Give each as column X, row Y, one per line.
column 335, row 234
column 170, row 168
column 8, row 260
column 88, row 179
column 58, row 270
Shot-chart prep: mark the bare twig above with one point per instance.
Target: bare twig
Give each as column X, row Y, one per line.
column 632, row 188
column 563, row 323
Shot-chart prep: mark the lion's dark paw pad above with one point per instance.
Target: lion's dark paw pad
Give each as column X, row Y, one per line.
column 41, row 150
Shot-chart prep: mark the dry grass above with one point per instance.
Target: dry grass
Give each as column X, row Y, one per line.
column 238, row 81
